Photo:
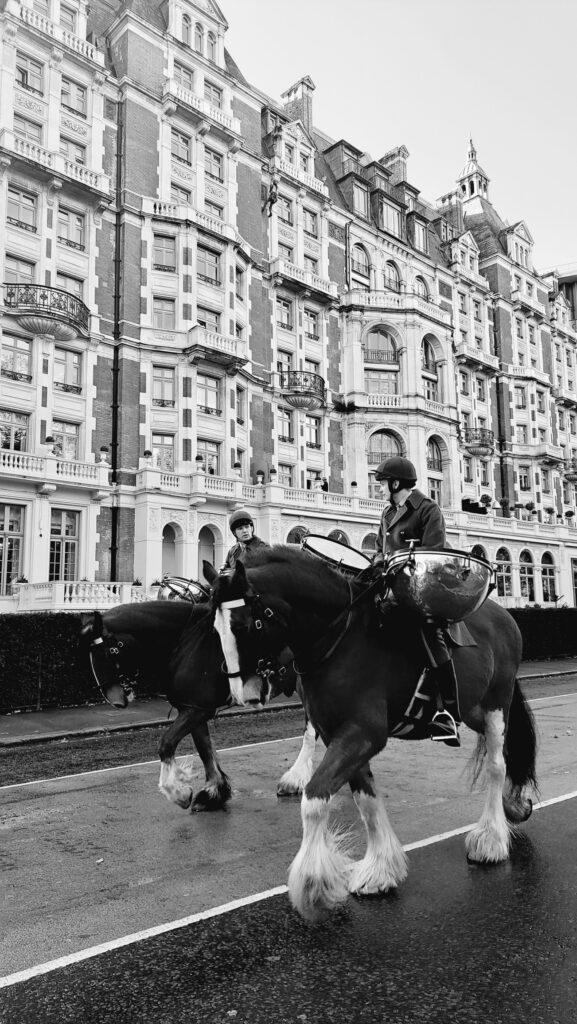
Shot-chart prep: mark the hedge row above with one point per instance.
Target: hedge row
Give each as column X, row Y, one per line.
column 44, row 664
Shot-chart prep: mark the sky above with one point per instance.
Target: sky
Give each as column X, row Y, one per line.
column 430, row 74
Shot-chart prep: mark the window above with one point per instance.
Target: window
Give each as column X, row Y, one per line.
column 41, row 7
column 285, row 426
column 28, row 131
column 360, row 261
column 522, row 434
column 67, row 369
column 239, row 331
column 312, row 431
column 548, row 577
column 64, row 539
column 72, row 151
column 311, row 324
column 504, row 573
column 540, row 401
column 213, row 164
column 284, row 362
column 311, row 264
column 360, row 200
column 305, row 161
column 71, row 285
column 213, row 209
column 421, row 289
column 546, row 481
column 29, row 73
column 464, row 382
column 184, row 76
column 285, row 474
column 208, row 394
column 286, row 252
column 240, row 405
column 11, row 544
column 434, row 487
column 186, row 29
column 468, row 469
column 16, row 360
column 420, row 237
column 285, row 209
column 68, row 18
column 381, row 382
column 526, row 575
column 289, row 153
column 211, row 46
column 74, row 97
column 392, row 278
column 18, row 271
column 70, row 228
column 208, row 265
column 481, row 389
column 21, row 210
column 519, row 327
column 428, row 361
column 179, row 194
column 572, row 423
column 284, row 313
column 163, row 451
column 13, row 430
column 239, row 283
column 180, row 146
column 311, row 223
column 462, row 302
column 210, row 451
column 520, row 398
column 434, row 456
column 525, row 478
column 163, row 386
column 382, row 444
column 561, row 416
column 163, row 314
column 66, row 439
column 477, row 310
column 311, row 366
column 390, row 219
column 164, row 252
column 213, row 94
column 380, row 347
column 198, row 38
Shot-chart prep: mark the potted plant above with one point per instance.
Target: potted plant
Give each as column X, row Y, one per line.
column 530, row 505
column 137, row 582
column 485, row 500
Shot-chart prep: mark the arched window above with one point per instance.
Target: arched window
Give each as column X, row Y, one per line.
column 428, row 361
column 168, row 550
column 340, row 536
column 380, row 347
column 382, row 444
column 198, row 38
column 434, row 456
column 478, row 551
column 186, row 29
column 429, row 371
column 504, row 573
column 527, row 575
column 548, row 578
column 206, row 546
column 360, row 261
column 392, row 277
column 296, row 535
column 369, row 544
column 381, row 382
column 211, row 46
column 421, row 288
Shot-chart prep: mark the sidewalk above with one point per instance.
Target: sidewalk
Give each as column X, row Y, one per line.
column 61, row 723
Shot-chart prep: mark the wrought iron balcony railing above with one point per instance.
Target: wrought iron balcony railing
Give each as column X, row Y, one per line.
column 52, row 303
column 303, row 390
column 479, row 440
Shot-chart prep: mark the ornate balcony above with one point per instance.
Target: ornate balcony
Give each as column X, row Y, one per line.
column 303, row 390
column 216, row 348
column 549, row 454
column 41, row 310
column 571, row 471
column 292, row 275
column 476, row 357
column 479, row 441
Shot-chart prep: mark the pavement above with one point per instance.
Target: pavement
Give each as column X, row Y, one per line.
column 90, row 720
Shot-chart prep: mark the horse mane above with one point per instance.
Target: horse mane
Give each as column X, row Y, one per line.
column 287, row 554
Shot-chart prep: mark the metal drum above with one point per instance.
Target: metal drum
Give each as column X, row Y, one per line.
column 348, row 561
column 177, row 588
column 443, row 585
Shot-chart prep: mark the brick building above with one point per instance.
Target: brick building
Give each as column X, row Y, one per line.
column 207, row 303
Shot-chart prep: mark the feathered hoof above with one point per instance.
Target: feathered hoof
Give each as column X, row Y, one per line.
column 487, row 846
column 373, row 880
column 318, row 886
column 517, row 811
column 286, row 788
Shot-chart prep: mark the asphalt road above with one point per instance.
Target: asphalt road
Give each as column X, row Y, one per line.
column 93, row 858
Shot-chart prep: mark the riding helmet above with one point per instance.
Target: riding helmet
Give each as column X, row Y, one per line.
column 396, row 468
column 240, row 518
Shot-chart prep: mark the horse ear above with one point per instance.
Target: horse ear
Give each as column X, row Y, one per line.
column 87, row 623
column 208, row 571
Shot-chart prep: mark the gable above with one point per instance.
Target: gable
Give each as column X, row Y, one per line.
column 298, row 132
column 209, row 7
column 522, row 231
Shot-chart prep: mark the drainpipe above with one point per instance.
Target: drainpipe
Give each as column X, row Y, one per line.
column 116, row 336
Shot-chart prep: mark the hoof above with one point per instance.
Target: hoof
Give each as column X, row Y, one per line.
column 518, row 811
column 205, row 801
column 287, row 790
column 184, row 802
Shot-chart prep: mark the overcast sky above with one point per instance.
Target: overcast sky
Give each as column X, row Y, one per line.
column 428, row 74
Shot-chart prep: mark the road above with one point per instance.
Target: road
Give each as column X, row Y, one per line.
column 90, row 859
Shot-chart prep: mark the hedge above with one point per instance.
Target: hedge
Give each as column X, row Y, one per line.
column 44, row 664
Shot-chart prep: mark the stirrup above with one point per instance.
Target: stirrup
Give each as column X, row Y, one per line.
column 446, row 727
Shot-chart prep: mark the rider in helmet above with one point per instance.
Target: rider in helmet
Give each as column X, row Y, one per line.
column 242, row 526
column 410, row 515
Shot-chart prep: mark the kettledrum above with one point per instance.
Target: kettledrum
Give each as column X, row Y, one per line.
column 446, row 585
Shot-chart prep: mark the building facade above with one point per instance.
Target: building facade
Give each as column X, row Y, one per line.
column 207, row 303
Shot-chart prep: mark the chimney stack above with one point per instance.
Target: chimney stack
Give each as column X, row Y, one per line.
column 396, row 162
column 298, row 102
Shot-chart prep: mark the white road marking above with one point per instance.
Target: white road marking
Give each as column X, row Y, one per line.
column 204, row 915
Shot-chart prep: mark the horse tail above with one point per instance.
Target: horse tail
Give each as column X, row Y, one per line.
column 520, row 742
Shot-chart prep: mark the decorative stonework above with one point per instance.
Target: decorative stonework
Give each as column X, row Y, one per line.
column 312, row 246
column 29, row 104
column 182, row 172
column 287, row 233
column 214, row 190
column 154, row 519
column 74, row 126
column 174, row 515
column 336, row 232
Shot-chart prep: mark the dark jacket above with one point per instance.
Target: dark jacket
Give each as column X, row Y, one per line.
column 420, row 518
column 240, row 552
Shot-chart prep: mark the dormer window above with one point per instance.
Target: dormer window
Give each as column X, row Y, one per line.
column 289, row 153
column 186, row 29
column 211, row 46
column 305, row 162
column 420, row 239
column 198, row 38
column 360, row 261
column 390, row 218
column 360, row 200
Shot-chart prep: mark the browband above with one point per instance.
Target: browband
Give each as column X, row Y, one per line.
column 239, row 602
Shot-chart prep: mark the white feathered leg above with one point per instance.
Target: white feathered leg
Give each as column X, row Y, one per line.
column 317, row 880
column 296, row 778
column 489, row 840
column 384, row 865
column 175, row 783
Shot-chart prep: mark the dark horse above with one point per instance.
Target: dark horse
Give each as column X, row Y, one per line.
column 358, row 673
column 173, row 645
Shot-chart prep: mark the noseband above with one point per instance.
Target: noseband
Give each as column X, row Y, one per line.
column 112, row 649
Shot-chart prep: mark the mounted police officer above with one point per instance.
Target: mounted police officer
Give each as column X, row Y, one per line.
column 241, row 525
column 411, row 515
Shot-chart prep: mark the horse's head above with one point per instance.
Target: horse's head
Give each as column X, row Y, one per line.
column 252, row 631
column 113, row 659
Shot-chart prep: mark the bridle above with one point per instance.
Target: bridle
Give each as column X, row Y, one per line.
column 113, row 650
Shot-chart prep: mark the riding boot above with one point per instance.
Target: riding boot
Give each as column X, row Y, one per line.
column 444, row 724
